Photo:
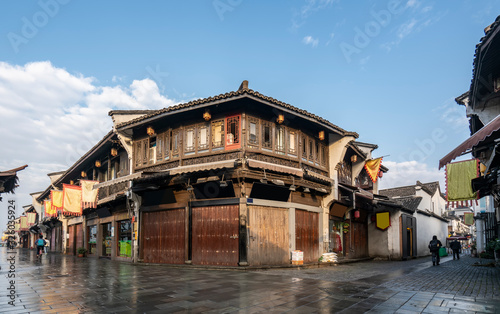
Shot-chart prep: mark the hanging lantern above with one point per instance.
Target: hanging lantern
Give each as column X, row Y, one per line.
column 321, row 135
column 150, row 131
column 114, row 151
column 84, row 174
column 380, row 174
column 207, row 116
column 71, row 182
column 356, row 214
column 280, row 119
column 354, row 158
column 97, row 163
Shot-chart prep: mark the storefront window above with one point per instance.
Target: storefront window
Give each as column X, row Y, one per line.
column 106, row 239
column 124, row 238
column 92, row 234
column 336, row 236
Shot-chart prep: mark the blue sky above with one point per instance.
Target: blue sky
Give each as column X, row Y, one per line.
column 388, row 70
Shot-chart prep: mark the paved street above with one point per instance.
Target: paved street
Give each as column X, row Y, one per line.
column 65, row 284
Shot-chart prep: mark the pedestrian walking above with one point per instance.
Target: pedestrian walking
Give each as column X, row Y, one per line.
column 455, row 246
column 47, row 245
column 434, row 247
column 40, row 243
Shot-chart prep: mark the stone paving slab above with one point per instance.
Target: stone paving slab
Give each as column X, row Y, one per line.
column 66, row 284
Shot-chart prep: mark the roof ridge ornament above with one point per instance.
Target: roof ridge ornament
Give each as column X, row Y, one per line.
column 243, row 86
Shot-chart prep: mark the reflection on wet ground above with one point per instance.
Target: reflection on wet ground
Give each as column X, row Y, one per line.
column 70, row 284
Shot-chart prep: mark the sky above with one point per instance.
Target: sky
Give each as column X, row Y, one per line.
column 388, row 70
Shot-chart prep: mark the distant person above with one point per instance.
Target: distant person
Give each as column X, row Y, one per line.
column 434, row 247
column 40, row 244
column 47, row 244
column 455, row 246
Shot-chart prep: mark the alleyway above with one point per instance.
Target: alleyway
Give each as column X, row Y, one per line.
column 68, row 284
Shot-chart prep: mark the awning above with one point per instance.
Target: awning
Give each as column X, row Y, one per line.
column 274, row 167
column 319, row 176
column 110, row 198
column 118, row 180
column 225, row 164
column 474, row 140
column 338, row 209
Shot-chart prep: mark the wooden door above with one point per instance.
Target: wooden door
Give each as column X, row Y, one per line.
column 215, row 235
column 70, row 241
column 163, row 237
column 268, row 236
column 356, row 240
column 79, row 236
column 307, row 234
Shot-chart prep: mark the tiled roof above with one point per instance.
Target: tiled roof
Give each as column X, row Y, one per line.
column 409, row 202
column 227, row 96
column 490, row 30
column 430, row 188
column 398, row 192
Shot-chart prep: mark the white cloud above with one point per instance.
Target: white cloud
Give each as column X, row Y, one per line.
column 308, row 40
column 300, row 16
column 408, row 172
column 50, row 118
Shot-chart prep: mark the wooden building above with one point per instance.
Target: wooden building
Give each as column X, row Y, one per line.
column 243, row 179
column 232, row 180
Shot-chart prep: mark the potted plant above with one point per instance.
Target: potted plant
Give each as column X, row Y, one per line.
column 81, row 251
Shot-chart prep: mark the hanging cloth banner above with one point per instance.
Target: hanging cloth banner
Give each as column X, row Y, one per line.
column 31, row 219
column 372, row 167
column 468, row 219
column 49, row 209
column 17, row 226
column 458, row 181
column 23, row 223
column 57, row 200
column 89, row 195
column 72, row 200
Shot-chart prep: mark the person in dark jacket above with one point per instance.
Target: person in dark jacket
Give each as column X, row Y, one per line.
column 434, row 247
column 455, row 246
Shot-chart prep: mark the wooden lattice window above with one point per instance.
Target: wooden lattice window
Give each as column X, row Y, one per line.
column 189, row 142
column 160, row 146
column 292, row 143
column 233, row 132
column 267, row 138
column 217, row 134
column 253, row 132
column 175, row 143
column 345, row 173
column 203, row 137
column 280, row 140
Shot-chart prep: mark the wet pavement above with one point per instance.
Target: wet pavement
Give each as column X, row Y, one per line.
column 67, row 284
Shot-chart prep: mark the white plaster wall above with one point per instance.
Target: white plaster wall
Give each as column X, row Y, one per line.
column 385, row 243
column 426, row 228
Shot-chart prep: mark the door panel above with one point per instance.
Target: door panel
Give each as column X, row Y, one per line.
column 269, row 236
column 307, row 234
column 215, row 235
column 163, row 236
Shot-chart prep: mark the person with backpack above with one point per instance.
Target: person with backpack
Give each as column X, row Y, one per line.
column 40, row 244
column 455, row 246
column 434, row 247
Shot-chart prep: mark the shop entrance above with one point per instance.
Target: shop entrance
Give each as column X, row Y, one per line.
column 107, row 242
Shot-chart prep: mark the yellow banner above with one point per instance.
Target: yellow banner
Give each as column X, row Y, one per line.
column 49, row 209
column 89, row 195
column 23, row 223
column 373, row 167
column 31, row 218
column 57, row 200
column 72, row 200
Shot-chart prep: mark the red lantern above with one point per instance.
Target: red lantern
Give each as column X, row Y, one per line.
column 356, row 214
column 380, row 174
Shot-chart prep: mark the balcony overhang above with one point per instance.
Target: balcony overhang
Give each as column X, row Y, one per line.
column 478, row 137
